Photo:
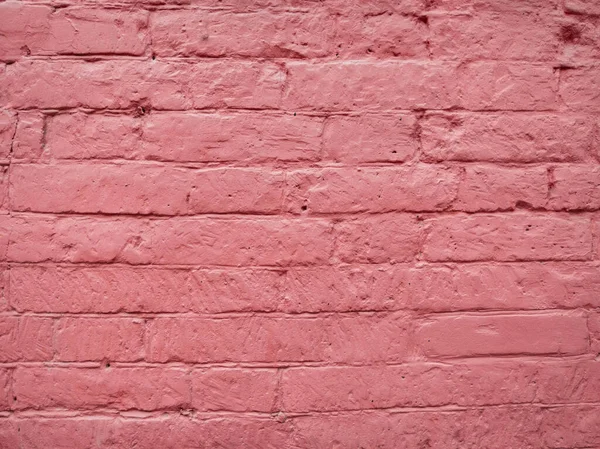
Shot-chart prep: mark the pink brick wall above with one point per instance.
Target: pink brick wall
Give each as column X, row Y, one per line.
column 299, row 224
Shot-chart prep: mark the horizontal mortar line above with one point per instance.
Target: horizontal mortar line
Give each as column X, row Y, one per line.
column 421, row 313
column 421, row 215
column 187, row 410
column 187, row 407
column 279, row 269
column 319, row 113
column 287, row 166
column 316, row 364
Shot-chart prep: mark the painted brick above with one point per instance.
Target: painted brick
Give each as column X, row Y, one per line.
column 473, row 383
column 40, row 30
column 494, row 35
column 5, row 398
column 141, row 388
column 175, row 136
column 417, row 188
column 510, row 137
column 493, row 188
column 579, row 89
column 140, row 189
column 582, row 7
column 594, row 326
column 467, row 336
column 28, row 142
column 511, row 237
column 387, row 238
column 26, row 339
column 246, row 390
column 96, row 339
column 575, row 187
column 182, row 241
column 253, row 34
column 357, row 338
column 8, row 123
column 370, row 138
column 120, row 84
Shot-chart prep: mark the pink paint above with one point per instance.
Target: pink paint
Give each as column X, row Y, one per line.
column 299, row 224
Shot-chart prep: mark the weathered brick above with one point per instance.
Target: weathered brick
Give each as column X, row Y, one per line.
column 25, row 339
column 143, row 388
column 582, row 7
column 241, row 390
column 5, row 398
column 416, row 188
column 579, row 88
column 386, row 238
column 508, row 137
column 8, row 123
column 175, row 136
column 519, row 236
column 594, row 326
column 472, row 383
column 472, row 335
column 494, row 35
column 251, row 241
column 575, row 187
column 357, row 338
column 29, row 140
column 142, row 189
column 493, row 188
column 253, row 34
column 84, row 339
column 40, row 30
column 130, row 83
column 370, row 138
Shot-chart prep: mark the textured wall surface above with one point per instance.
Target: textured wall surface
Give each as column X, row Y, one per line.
column 300, row 224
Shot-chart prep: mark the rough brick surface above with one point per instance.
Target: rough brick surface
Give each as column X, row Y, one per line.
column 299, row 224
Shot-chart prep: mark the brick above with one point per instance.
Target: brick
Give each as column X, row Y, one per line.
column 513, row 426
column 239, row 390
column 575, row 187
column 584, row 430
column 4, row 199
column 469, row 336
column 193, row 241
column 9, row 433
column 504, row 6
column 29, row 141
column 254, row 34
column 4, row 288
column 40, row 30
column 519, row 236
column 5, row 397
column 140, row 189
column 384, row 34
column 168, row 431
column 579, row 41
column 92, row 339
column 387, row 238
column 472, row 383
column 71, row 388
column 590, row 7
column 25, row 339
column 416, row 188
column 493, row 188
column 264, row 339
column 509, row 137
column 370, row 138
column 144, row 289
column 507, row 86
column 579, row 89
column 594, row 327
column 8, row 123
column 119, row 84
column 174, row 136
column 364, row 85
column 494, row 35
column 495, row 287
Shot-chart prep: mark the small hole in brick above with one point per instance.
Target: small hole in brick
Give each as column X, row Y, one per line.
column 153, row 56
column 107, row 364
column 394, row 151
column 424, row 19
column 304, row 207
